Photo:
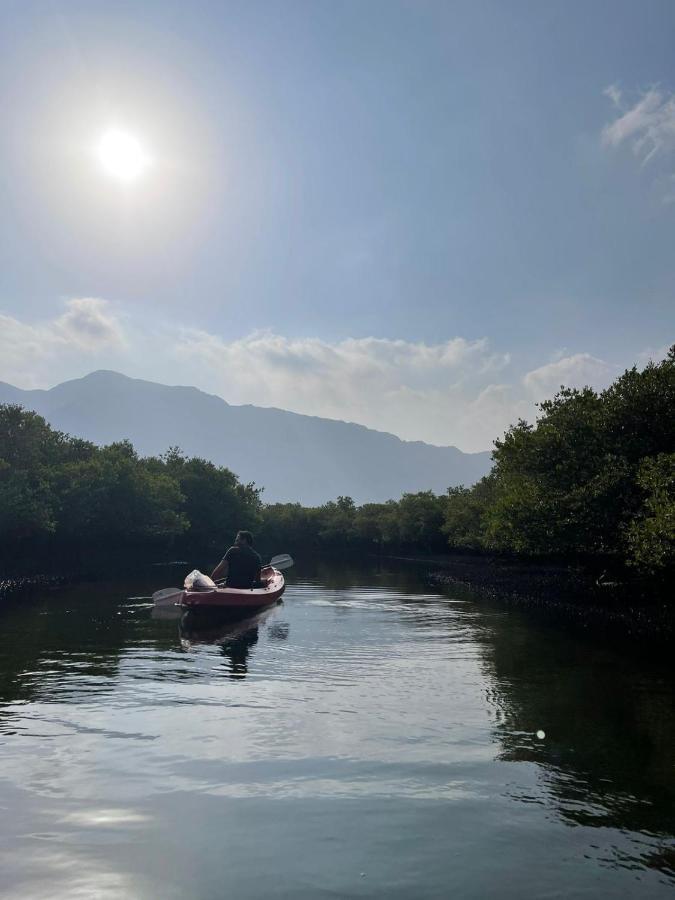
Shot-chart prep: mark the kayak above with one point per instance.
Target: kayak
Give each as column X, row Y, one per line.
column 237, row 598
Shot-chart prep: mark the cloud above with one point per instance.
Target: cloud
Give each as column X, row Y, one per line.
column 648, row 126
column 33, row 353
column 612, row 91
column 414, row 389
column 652, row 354
column 575, row 371
column 89, row 323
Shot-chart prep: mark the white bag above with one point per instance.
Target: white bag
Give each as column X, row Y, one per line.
column 197, row 581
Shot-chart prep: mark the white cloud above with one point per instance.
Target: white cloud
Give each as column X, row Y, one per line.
column 648, row 126
column 416, row 390
column 33, row 353
column 575, row 371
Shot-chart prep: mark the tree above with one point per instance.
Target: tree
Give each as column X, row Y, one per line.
column 289, row 525
column 378, row 524
column 29, row 453
column 337, row 520
column 651, row 537
column 466, row 510
column 115, row 496
column 216, row 504
column 421, row 519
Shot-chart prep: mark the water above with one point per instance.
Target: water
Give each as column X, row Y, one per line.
column 369, row 737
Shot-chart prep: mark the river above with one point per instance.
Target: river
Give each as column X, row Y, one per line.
column 368, row 737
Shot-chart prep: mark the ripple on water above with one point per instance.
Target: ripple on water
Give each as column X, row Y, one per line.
column 387, row 727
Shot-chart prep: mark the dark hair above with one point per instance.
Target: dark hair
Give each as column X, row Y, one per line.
column 245, row 536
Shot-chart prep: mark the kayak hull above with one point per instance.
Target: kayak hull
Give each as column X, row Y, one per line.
column 237, row 598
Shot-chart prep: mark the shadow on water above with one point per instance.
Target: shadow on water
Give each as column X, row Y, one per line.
column 236, row 635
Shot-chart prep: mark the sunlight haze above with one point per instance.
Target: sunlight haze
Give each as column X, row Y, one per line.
column 122, row 155
column 422, row 218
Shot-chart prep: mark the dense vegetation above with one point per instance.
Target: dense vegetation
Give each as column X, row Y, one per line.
column 594, row 477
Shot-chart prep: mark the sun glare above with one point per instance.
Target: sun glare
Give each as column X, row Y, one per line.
column 122, row 155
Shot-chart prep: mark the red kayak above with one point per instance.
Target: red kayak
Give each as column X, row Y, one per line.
column 237, row 598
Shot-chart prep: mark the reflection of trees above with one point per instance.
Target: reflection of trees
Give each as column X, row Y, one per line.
column 344, row 571
column 76, row 630
column 607, row 756
column 53, row 644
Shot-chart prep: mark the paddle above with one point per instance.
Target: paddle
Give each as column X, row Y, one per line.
column 167, row 596
column 283, row 561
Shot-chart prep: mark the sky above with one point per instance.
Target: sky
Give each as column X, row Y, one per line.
column 422, row 217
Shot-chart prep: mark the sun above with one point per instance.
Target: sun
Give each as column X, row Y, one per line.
column 122, row 155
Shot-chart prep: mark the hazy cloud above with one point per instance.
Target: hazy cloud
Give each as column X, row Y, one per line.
column 575, row 371
column 89, row 323
column 416, row 390
column 652, row 354
column 648, row 126
column 35, row 353
column 612, row 91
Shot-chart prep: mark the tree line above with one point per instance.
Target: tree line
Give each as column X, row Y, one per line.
column 594, row 476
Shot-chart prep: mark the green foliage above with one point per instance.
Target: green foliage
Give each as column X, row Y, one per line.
column 26, row 507
column 378, row 524
column 421, row 519
column 116, row 496
column 464, row 522
column 414, row 521
column 29, row 450
column 591, row 477
column 289, row 525
column 337, row 521
column 55, row 485
column 215, row 502
column 651, row 537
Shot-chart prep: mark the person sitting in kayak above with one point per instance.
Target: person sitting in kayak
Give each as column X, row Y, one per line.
column 241, row 564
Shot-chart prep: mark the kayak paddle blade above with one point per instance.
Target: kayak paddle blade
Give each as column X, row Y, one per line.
column 283, row 561
column 167, row 596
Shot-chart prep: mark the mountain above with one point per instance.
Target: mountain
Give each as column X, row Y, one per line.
column 296, row 458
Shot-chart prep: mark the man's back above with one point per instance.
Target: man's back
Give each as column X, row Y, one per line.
column 243, row 566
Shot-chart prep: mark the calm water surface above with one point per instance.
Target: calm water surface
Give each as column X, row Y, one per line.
column 367, row 738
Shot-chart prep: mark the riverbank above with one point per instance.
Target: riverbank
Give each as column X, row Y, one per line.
column 566, row 594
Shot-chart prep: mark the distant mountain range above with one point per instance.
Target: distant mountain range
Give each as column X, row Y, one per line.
column 294, row 457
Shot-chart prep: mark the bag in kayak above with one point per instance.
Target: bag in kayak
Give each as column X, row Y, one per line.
column 197, row 581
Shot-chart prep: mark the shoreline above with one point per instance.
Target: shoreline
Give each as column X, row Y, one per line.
column 566, row 595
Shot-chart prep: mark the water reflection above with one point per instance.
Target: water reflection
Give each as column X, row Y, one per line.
column 442, row 744
column 598, row 724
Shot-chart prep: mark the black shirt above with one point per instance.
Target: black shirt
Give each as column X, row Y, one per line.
column 244, row 566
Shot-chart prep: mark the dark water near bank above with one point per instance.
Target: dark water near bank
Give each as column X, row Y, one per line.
column 370, row 737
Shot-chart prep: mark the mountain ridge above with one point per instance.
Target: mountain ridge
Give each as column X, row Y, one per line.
column 295, row 457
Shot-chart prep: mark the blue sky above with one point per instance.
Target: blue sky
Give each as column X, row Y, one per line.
column 418, row 216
